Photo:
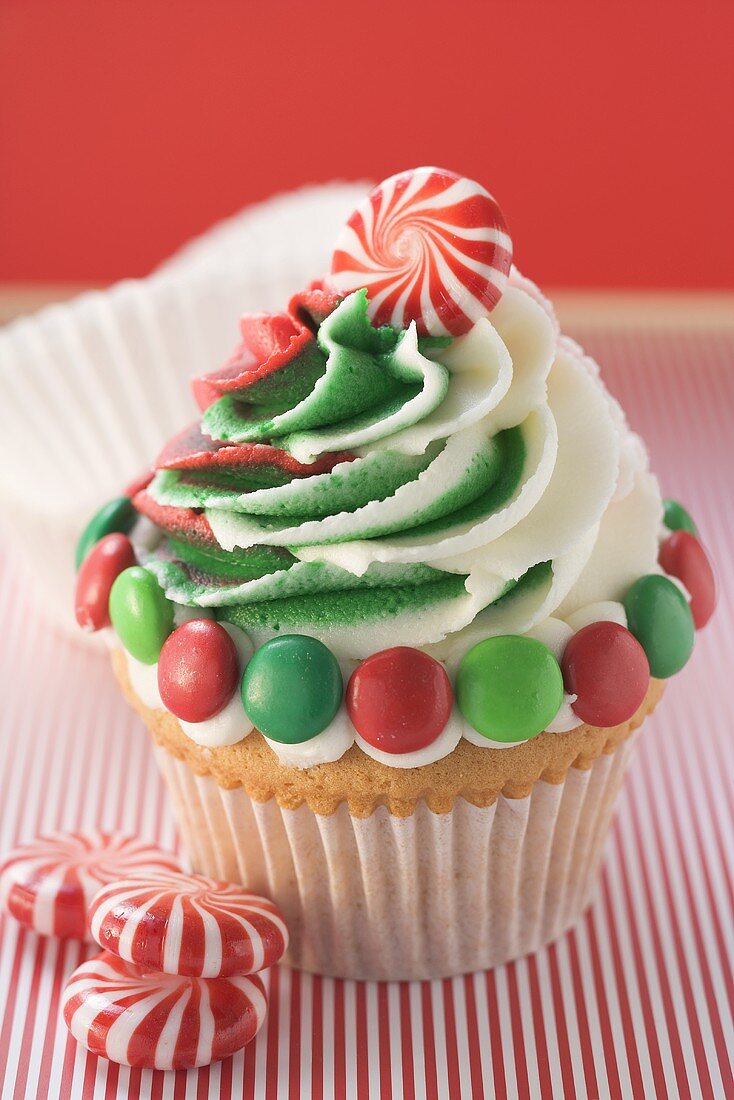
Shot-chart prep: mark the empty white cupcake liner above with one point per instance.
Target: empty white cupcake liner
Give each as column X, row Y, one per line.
column 427, row 896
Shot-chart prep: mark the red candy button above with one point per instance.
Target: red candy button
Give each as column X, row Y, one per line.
column 159, row 1021
column 198, row 670
column 682, row 556
column 48, row 884
column 606, row 668
column 187, row 924
column 97, row 573
column 399, row 700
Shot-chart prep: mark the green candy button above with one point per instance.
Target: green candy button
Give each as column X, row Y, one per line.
column 676, row 518
column 115, row 515
column 292, row 688
column 509, row 688
column 659, row 617
column 140, row 613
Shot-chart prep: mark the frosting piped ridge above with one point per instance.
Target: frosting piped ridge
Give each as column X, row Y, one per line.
column 419, row 526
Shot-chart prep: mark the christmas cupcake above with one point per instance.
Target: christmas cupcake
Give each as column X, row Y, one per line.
column 394, row 608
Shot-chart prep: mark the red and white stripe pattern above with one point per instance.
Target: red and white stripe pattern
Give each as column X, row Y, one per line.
column 188, row 924
column 137, row 1017
column 429, row 246
column 49, row 883
column 638, row 1001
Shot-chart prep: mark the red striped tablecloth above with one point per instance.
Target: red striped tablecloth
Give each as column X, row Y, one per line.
column 636, row 1002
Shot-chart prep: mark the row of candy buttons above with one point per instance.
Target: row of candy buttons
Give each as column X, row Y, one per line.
column 508, row 688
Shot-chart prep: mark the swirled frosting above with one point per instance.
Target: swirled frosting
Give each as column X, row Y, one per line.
column 374, row 488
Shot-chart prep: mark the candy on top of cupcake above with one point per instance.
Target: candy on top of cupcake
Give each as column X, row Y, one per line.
column 407, row 477
column 429, row 246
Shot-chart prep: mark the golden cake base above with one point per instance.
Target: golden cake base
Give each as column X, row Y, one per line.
column 472, row 772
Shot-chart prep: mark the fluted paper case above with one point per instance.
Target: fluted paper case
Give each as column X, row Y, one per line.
column 425, row 896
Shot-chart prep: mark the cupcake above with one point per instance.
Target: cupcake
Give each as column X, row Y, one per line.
column 395, row 608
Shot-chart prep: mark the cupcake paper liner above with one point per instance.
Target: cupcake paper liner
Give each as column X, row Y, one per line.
column 94, row 387
column 427, row 896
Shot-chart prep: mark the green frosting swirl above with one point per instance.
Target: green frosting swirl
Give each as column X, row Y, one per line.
column 360, row 390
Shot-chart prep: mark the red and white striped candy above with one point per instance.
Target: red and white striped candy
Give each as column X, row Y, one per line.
column 160, row 1021
column 49, row 883
column 188, row 924
column 429, row 246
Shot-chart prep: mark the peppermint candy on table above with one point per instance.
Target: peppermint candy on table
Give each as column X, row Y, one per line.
column 137, row 1017
column 429, row 246
column 188, row 924
column 49, row 883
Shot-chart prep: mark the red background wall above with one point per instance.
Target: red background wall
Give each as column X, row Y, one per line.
column 605, row 130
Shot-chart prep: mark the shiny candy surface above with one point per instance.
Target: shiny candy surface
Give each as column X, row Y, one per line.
column 676, row 518
column 606, row 668
column 399, row 700
column 140, row 1018
column 188, row 924
column 198, row 670
column 115, row 515
column 430, row 247
column 292, row 688
column 49, row 883
column 659, row 617
column 97, row 573
column 509, row 688
column 141, row 614
column 682, row 556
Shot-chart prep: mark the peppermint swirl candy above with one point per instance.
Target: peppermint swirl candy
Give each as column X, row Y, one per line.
column 140, row 1018
column 188, row 924
column 49, row 883
column 429, row 246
